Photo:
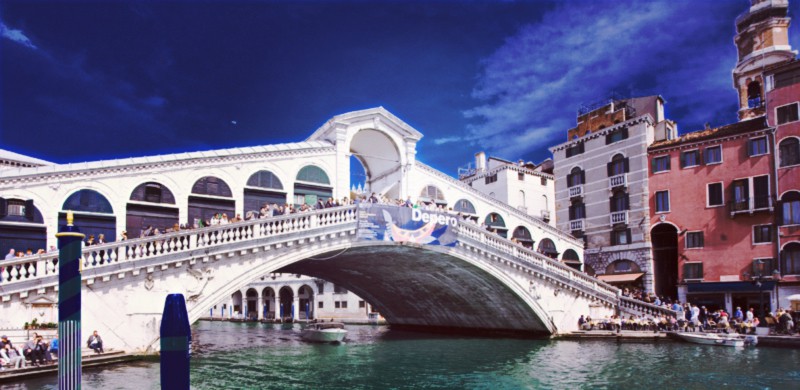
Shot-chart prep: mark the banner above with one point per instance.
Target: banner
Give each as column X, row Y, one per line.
column 379, row 222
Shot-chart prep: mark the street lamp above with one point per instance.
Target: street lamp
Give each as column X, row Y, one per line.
column 759, row 269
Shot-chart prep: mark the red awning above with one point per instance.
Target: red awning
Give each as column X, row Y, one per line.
column 620, row 278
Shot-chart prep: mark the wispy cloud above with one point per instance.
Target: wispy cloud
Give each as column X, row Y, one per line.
column 531, row 87
column 446, row 140
column 16, row 36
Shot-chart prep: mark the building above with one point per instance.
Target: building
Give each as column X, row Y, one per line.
column 601, row 189
column 783, row 93
column 712, row 209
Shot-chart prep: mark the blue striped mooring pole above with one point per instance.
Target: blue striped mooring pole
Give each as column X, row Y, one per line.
column 69, row 305
column 176, row 337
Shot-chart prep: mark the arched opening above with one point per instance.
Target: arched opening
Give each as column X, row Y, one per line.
column 208, row 199
column 495, row 223
column 665, row 259
column 624, row 274
column 236, row 304
column 754, row 94
column 522, row 205
column 790, row 259
column 570, row 258
column 575, row 177
column 618, row 165
column 523, row 236
column 305, row 297
column 548, row 248
column 93, row 215
column 21, row 227
column 789, row 152
column 790, row 208
column 311, row 184
column 358, row 178
column 251, row 309
column 268, row 297
column 151, row 204
column 381, row 161
column 466, row 209
column 432, row 195
column 286, row 306
column 263, row 187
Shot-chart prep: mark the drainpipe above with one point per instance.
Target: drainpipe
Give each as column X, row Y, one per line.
column 777, row 193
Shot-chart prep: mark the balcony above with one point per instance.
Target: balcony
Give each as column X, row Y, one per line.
column 751, row 205
column 620, row 180
column 619, row 217
column 576, row 225
column 576, row 191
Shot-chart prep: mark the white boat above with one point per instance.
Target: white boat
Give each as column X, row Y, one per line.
column 324, row 332
column 729, row 340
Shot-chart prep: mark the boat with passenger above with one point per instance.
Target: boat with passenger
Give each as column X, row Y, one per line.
column 722, row 339
column 324, row 332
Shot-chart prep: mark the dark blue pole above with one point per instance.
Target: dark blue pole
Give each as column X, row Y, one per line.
column 176, row 336
column 69, row 305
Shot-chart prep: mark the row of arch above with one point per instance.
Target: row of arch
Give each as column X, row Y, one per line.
column 270, row 304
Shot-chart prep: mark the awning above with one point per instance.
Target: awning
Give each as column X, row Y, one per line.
column 620, row 278
column 730, row 287
column 794, row 297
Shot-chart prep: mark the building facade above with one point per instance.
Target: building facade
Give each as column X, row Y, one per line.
column 601, row 192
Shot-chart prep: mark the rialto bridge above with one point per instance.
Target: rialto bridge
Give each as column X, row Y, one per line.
column 417, row 267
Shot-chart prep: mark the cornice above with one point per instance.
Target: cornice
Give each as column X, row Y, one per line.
column 512, row 167
column 646, row 118
column 707, row 141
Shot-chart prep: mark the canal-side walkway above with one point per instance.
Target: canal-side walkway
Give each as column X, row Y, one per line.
column 780, row 341
column 88, row 359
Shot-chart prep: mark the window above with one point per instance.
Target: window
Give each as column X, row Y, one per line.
column 337, row 304
column 790, row 209
column 762, row 234
column 575, row 177
column 693, row 271
column 660, row 164
column 339, row 289
column 321, row 305
column 619, row 202
column 344, row 304
column 617, row 135
column 490, row 179
column 761, row 192
column 16, row 207
column 694, row 240
column 741, row 194
column 789, row 152
column 662, row 201
column 790, row 259
column 362, row 304
column 787, row 113
column 617, row 166
column 520, row 176
column 544, row 181
column 757, row 146
column 754, row 95
column 577, row 211
column 714, row 196
column 785, row 79
column 575, row 150
column 690, row 159
column 621, row 237
column 712, row 155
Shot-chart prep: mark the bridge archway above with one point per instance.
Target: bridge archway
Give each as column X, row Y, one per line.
column 151, row 204
column 269, row 303
column 432, row 195
column 466, row 209
column 210, row 195
column 380, row 156
column 286, row 306
column 495, row 223
column 548, row 248
column 523, row 236
column 21, row 226
column 92, row 212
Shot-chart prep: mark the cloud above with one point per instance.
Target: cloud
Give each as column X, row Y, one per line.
column 17, row 36
column 446, row 140
column 530, row 88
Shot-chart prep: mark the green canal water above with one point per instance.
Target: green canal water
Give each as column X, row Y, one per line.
column 261, row 356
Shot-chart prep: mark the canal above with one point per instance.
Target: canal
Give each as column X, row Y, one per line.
column 264, row 356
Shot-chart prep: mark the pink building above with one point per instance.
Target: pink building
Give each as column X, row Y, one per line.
column 712, row 210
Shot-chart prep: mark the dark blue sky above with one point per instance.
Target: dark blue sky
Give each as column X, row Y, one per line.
column 89, row 81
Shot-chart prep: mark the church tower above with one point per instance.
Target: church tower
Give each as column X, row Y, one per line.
column 762, row 39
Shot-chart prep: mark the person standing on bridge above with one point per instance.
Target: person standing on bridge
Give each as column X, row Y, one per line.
column 95, row 342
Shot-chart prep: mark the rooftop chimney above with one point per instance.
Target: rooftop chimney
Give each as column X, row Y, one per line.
column 480, row 162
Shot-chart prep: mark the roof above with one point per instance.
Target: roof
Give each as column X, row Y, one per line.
column 9, row 155
column 743, row 127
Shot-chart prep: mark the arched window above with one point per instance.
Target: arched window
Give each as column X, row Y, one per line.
column 495, row 223
column 213, row 186
column 159, row 211
column 790, row 210
column 618, row 165
column 89, row 201
column 152, row 192
column 548, row 248
column 464, row 206
column 263, row 187
column 523, row 236
column 570, row 254
column 521, row 198
column 790, row 259
column 432, row 194
column 93, row 214
column 265, row 179
column 205, row 201
column 789, row 152
column 754, row 94
column 622, row 267
column 313, row 174
column 575, row 177
column 21, row 236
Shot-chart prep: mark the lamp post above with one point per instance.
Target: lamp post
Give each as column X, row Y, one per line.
column 758, row 277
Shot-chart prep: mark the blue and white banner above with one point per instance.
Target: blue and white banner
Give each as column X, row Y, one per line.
column 378, row 222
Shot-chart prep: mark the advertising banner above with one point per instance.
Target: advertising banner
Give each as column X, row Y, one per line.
column 379, row 222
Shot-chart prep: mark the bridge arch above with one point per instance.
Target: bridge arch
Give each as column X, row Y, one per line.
column 379, row 154
column 522, row 235
column 210, row 195
column 432, row 195
column 268, row 302
column 495, row 223
column 150, row 204
column 312, row 183
column 548, row 248
column 263, row 187
column 93, row 212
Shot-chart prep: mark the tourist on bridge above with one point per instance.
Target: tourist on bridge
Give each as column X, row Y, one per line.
column 95, row 342
column 11, row 254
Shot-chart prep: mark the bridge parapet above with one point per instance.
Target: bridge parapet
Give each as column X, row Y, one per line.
column 634, row 306
column 40, row 271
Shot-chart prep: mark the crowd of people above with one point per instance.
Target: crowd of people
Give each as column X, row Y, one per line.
column 38, row 352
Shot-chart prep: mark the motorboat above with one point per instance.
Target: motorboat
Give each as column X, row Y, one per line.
column 324, row 332
column 723, row 339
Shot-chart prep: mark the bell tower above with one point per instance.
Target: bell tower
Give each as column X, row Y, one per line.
column 762, row 39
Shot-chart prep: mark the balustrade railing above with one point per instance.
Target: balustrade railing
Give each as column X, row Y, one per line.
column 619, row 217
column 628, row 304
column 30, row 267
column 576, row 191
column 620, row 180
column 576, row 224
